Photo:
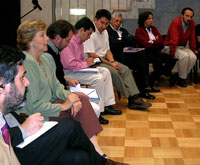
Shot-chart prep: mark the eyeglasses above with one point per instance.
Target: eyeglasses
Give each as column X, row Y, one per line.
column 104, row 23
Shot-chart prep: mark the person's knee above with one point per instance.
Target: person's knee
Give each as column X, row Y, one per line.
column 125, row 70
column 68, row 124
column 193, row 57
column 184, row 56
column 83, row 97
column 81, row 158
column 106, row 73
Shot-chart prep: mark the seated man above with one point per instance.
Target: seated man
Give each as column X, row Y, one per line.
column 119, row 38
column 65, row 143
column 197, row 30
column 72, row 58
column 182, row 30
column 98, row 46
column 57, row 29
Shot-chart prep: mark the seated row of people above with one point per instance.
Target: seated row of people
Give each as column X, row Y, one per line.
column 47, row 95
column 162, row 54
column 73, row 58
column 65, row 143
column 42, row 92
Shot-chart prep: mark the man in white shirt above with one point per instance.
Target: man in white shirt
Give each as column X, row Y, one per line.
column 98, row 46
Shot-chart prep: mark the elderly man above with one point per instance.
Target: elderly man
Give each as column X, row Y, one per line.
column 119, row 38
column 98, row 46
column 182, row 30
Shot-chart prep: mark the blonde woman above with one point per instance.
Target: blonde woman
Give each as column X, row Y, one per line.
column 45, row 88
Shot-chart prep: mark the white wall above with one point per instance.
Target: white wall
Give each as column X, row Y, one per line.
column 130, row 6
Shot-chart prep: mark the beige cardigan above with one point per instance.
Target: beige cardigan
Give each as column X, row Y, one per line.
column 7, row 155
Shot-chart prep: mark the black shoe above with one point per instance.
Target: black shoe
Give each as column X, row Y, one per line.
column 108, row 110
column 173, row 79
column 146, row 95
column 111, row 162
column 152, row 89
column 102, row 120
column 182, row 83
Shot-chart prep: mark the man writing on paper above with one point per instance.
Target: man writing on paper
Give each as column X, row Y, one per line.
column 65, row 143
column 60, row 33
column 73, row 58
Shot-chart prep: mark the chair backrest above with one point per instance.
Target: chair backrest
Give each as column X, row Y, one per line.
column 197, row 30
column 164, row 36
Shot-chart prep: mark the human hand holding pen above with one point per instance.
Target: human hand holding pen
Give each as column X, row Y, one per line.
column 33, row 123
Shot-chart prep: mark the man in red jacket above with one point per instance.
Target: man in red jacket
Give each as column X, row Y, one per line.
column 182, row 30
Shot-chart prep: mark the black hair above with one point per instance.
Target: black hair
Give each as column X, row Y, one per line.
column 143, row 17
column 10, row 58
column 59, row 27
column 103, row 13
column 187, row 8
column 85, row 23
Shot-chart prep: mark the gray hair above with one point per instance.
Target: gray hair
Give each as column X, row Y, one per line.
column 116, row 14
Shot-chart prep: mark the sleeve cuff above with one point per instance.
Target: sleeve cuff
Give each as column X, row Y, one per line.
column 23, row 132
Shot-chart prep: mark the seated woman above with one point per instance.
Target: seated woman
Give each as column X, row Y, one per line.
column 45, row 88
column 148, row 37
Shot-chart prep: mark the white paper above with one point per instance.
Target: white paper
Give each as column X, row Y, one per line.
column 46, row 126
column 91, row 93
column 87, row 70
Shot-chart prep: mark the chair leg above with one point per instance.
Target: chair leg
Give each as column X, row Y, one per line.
column 119, row 95
column 196, row 72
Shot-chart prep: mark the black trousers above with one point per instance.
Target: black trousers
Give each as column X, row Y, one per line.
column 65, row 143
column 139, row 63
column 162, row 63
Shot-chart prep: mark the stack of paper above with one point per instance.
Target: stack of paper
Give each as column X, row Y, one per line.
column 92, row 93
column 132, row 50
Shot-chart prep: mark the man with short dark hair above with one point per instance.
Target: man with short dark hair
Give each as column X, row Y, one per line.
column 182, row 30
column 59, row 33
column 98, row 46
column 65, row 143
column 97, row 80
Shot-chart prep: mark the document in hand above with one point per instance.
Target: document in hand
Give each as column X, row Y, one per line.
column 132, row 50
column 92, row 93
column 87, row 70
column 46, row 126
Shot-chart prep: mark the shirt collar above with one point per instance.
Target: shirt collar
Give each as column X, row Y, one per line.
column 2, row 121
column 55, row 49
column 96, row 30
column 185, row 26
column 115, row 29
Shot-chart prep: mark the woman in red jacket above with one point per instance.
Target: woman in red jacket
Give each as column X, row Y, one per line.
column 148, row 37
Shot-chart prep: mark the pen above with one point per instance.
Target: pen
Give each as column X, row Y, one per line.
column 90, row 92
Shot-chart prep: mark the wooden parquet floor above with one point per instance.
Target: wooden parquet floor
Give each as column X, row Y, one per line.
column 167, row 134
